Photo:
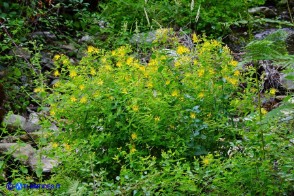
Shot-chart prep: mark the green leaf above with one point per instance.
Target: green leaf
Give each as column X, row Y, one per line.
column 39, row 171
column 17, row 72
column 160, row 69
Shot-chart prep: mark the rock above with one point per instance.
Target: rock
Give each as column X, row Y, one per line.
column 143, row 38
column 286, row 83
column 284, row 32
column 290, row 43
column 27, row 155
column 32, row 123
column 54, row 82
column 87, row 39
column 34, row 118
column 268, row 12
column 14, row 121
column 53, row 127
column 25, row 138
column 69, row 47
column 46, row 60
column 20, row 52
column 45, row 34
column 31, row 127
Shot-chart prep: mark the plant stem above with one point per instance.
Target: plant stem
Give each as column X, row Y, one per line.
column 289, row 10
column 259, row 110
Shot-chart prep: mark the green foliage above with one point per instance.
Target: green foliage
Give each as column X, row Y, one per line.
column 212, row 15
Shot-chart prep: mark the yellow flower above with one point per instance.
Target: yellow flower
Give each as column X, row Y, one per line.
column 73, row 99
column 130, row 60
column 273, row 91
column 175, row 93
column 133, row 150
column 52, row 113
column 177, row 63
column 233, row 81
column 215, row 43
column 56, row 73
column 54, row 145
column 263, row 111
column 92, row 49
column 135, row 108
column 82, row 87
column 83, row 100
column 192, row 115
column 111, row 97
column 149, row 85
column 195, row 38
column 104, row 60
column 124, row 91
column 142, row 68
column 56, row 57
column 134, row 136
column 65, row 61
column 211, row 71
column 108, row 67
column 100, row 82
column 182, row 50
column 119, row 64
column 236, row 73
column 93, row 72
column 57, row 84
column 207, row 159
column 39, row 90
column 96, row 94
column 157, row 118
column 67, row 147
column 167, row 82
column 201, row 72
column 72, row 74
column 201, row 95
column 233, row 63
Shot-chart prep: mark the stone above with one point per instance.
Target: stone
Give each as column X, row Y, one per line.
column 86, row 38
column 69, row 47
column 14, row 122
column 290, row 43
column 46, row 60
column 31, row 127
column 143, row 38
column 34, row 118
column 20, row 52
column 27, row 155
column 45, row 34
column 286, row 83
column 53, row 127
column 268, row 12
column 25, row 138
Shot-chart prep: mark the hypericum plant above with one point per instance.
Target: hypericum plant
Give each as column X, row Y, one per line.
column 171, row 102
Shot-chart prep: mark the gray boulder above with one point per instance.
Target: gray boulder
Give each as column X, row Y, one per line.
column 27, row 155
column 15, row 122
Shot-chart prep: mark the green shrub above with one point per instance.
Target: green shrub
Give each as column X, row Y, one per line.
column 169, row 103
